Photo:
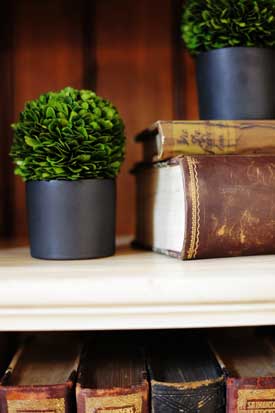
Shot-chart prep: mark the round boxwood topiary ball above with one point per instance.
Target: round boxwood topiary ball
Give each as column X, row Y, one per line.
column 70, row 134
column 213, row 24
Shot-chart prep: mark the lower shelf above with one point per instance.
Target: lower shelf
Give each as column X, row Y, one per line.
column 134, row 290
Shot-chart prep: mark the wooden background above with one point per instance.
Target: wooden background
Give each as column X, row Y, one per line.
column 129, row 52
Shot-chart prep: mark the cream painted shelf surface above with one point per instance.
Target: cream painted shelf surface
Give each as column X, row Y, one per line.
column 134, row 289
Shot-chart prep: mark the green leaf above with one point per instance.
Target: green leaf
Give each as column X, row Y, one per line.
column 115, row 164
column 58, row 170
column 205, row 14
column 212, row 24
column 109, row 113
column 70, row 134
column 83, row 132
column 72, row 115
column 241, row 24
column 84, row 157
column 31, row 142
column 85, row 105
column 85, row 95
column 98, row 112
column 50, row 113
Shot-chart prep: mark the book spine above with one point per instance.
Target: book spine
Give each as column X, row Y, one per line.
column 250, row 395
column 118, row 400
column 215, row 138
column 192, row 397
column 37, row 399
column 8, row 347
column 229, row 205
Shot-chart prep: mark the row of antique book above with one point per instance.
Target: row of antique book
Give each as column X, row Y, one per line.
column 138, row 372
column 207, row 188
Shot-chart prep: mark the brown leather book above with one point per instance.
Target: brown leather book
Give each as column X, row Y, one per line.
column 185, row 375
column 41, row 376
column 207, row 206
column 249, row 365
column 112, row 377
column 166, row 139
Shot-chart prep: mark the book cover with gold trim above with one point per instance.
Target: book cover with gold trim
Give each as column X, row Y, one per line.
column 185, row 375
column 166, row 139
column 248, row 361
column 41, row 376
column 112, row 376
column 207, row 206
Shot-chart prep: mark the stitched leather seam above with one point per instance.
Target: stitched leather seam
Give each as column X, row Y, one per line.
column 195, row 201
column 198, row 209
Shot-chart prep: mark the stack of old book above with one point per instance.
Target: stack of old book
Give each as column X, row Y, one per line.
column 207, row 188
column 162, row 372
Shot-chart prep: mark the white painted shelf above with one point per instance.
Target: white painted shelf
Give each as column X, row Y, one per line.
column 134, row 289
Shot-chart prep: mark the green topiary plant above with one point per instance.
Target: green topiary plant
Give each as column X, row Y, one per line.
column 213, row 24
column 70, row 134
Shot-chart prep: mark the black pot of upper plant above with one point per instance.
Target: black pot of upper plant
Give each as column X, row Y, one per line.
column 233, row 41
column 68, row 146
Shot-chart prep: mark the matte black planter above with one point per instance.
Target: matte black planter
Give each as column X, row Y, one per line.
column 71, row 219
column 236, row 83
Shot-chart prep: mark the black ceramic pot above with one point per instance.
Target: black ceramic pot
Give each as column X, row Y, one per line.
column 236, row 83
column 71, row 220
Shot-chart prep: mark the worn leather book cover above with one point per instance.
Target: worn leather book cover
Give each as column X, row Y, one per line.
column 207, row 206
column 249, row 365
column 166, row 139
column 41, row 376
column 112, row 377
column 184, row 376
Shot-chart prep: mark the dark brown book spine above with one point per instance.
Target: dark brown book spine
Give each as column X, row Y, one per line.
column 230, row 205
column 197, row 397
column 117, row 400
column 250, row 395
column 38, row 399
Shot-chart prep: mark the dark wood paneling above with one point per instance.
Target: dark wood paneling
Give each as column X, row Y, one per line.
column 135, row 71
column 48, row 56
column 6, row 110
column 89, row 44
column 179, row 74
column 190, row 88
column 130, row 54
column 186, row 69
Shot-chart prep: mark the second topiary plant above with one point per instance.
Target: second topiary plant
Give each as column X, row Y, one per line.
column 68, row 146
column 233, row 42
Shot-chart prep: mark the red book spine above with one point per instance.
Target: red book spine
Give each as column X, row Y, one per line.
column 250, row 395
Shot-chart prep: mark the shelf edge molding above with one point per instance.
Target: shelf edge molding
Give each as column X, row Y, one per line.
column 134, row 290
